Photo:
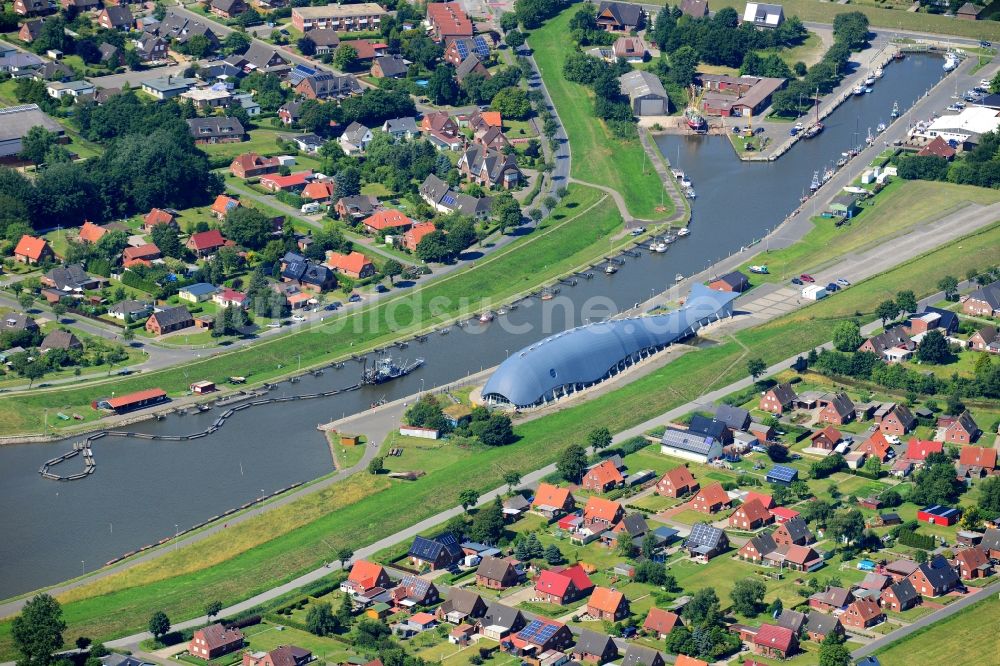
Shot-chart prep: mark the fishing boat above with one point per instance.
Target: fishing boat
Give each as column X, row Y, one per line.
column 690, row 193
column 610, row 269
column 899, row 55
column 870, row 139
column 678, row 174
column 828, row 174
column 859, row 89
column 760, row 269
column 813, row 131
column 841, row 162
column 386, row 369
column 880, row 127
column 895, row 110
column 502, row 311
column 683, row 231
column 486, row 317
column 444, row 331
column 950, row 62
column 686, row 182
column 678, row 278
column 879, row 72
column 658, row 246
column 870, row 80
column 695, row 121
column 815, row 184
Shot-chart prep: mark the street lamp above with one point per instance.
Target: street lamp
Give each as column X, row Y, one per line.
column 83, row 568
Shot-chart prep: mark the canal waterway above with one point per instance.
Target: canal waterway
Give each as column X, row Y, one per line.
column 142, row 489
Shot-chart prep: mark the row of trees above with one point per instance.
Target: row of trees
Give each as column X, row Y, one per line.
column 491, row 428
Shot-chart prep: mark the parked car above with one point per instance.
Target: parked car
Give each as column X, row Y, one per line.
column 355, row 298
column 298, row 318
column 638, row 231
column 332, row 306
column 805, row 277
column 985, row 44
column 843, row 282
column 381, row 288
column 833, row 286
column 796, row 281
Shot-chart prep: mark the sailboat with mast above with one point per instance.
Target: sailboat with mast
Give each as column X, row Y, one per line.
column 817, row 127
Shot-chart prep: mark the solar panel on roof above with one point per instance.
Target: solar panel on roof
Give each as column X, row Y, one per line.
column 463, row 51
column 783, row 473
column 448, row 200
column 482, row 48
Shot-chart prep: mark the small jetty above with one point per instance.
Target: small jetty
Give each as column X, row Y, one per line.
column 79, row 448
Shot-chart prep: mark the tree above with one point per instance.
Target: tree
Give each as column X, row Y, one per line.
column 572, row 463
column 213, row 609
column 468, row 498
column 512, row 102
column 847, row 336
column 198, row 46
column 376, row 465
column 26, row 299
column 391, row 269
column 165, row 237
column 995, row 83
column 321, row 621
column 907, row 301
column 703, row 608
column 599, row 438
column 488, row 523
column 36, row 143
column 346, row 57
column 832, row 651
column 920, row 556
column 512, row 479
column 506, row 211
column 949, row 285
column 776, row 607
column 59, row 310
column 345, row 611
column 159, row 625
column 887, row 311
column 306, row 46
column 936, row 482
column 427, row 413
column 934, row 348
column 756, row 368
column 441, row 87
column 873, row 466
column 236, row 42
column 553, row 555
column 683, row 63
column 434, row 247
column 37, row 631
column 747, row 596
column 514, row 39
column 247, row 226
column 972, row 517
column 625, row 546
column 847, row 526
column 989, row 496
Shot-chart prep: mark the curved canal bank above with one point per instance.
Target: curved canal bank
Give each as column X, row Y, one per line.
column 145, row 488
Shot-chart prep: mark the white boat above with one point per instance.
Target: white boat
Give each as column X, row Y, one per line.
column 870, row 81
column 610, row 269
column 486, row 317
column 859, row 89
column 678, row 278
column 868, row 89
column 658, row 246
column 880, row 128
column 815, row 184
column 678, row 174
column 683, row 231
column 950, row 62
column 502, row 311
column 690, row 193
column 685, row 182
column 760, row 269
column 879, row 72
column 895, row 110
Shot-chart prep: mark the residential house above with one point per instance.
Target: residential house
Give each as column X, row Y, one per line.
column 308, row 143
column 762, row 15
column 307, row 274
column 74, row 89
column 438, row 553
column 733, row 282
column 196, row 293
column 325, row 85
column 18, row 321
column 216, row 96
column 540, row 636
column 339, row 18
column 489, row 168
column 460, row 606
column 71, row 278
column 252, row 165
column 986, row 339
column 552, row 501
column 976, row 461
column 354, row 265
column 962, row 430
column 416, row 233
column 876, row 446
column 169, row 320
column 356, row 207
column 710, row 427
column 934, row 578
column 619, row 17
column 448, row 21
column 17, row 121
column 900, row 596
column 562, row 585
column 443, row 199
column 705, row 542
column 690, row 445
column 151, row 48
column 261, row 58
column 795, row 558
column 630, row 49
column 758, row 547
column 972, row 563
column 793, row 532
column 592, row 647
column 385, row 220
column 838, row 410
column 684, row 660
column 60, row 339
column 826, row 439
column 782, row 514
column 355, row 139
column 900, row 569
column 293, row 183
column 319, row 191
column 390, row 67
column 206, row 243
column 821, row 625
column 501, row 621
column 415, row 591
column 775, row 642
column 471, row 65
column 660, row 622
column 793, row 620
column 831, row 599
column 695, row 8
column 607, row 604
column 33, row 7
column 227, row 297
column 734, row 418
column 459, row 49
column 401, row 128
column 984, row 302
column 30, row 30
column 777, row 399
column 167, row 87
column 492, row 138
column 214, row 641
column 144, row 253
column 497, row 573
column 750, row 516
column 32, row 250
column 157, row 216
column 711, row 499
column 216, row 129
column 441, row 130
column 290, row 112
column 227, row 8
column 639, row 655
column 326, row 41
column 602, row 477
column 990, row 543
column 600, row 514
column 898, row 421
column 283, row 655
column 645, row 91
column 917, row 450
column 862, row 613
column 115, row 17
column 677, row 482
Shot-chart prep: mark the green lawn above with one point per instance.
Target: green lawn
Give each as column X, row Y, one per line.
column 598, row 157
column 959, row 639
column 810, row 51
column 901, row 206
column 250, row 557
column 262, row 141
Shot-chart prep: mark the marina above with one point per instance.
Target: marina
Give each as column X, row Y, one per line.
column 146, row 486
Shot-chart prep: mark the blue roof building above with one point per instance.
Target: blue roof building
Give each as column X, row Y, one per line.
column 581, row 357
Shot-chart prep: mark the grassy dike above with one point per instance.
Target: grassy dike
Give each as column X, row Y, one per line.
column 575, row 234
column 598, row 156
column 252, row 558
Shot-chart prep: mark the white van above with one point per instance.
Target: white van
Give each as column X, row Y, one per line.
column 310, row 208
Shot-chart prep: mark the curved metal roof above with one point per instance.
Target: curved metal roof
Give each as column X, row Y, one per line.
column 585, row 354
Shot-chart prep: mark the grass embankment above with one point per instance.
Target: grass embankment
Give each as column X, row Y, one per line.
column 901, row 206
column 964, row 638
column 574, row 234
column 879, row 17
column 598, row 157
column 250, row 558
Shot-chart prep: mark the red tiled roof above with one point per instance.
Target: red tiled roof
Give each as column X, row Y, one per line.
column 602, row 509
column 919, row 449
column 713, row 494
column 366, row 48
column 365, row 573
column 291, row 180
column 831, row 433
column 680, row 477
column 766, row 500
column 876, row 445
column 606, row 600
column 552, row 582
column 422, row 618
column 449, row 19
column 549, row 495
column 938, row 148
column 660, row 621
column 224, row 204
column 773, row 636
column 250, row 161
column 386, row 219
column 416, row 233
column 91, row 233
column 605, row 473
column 138, row 396
column 318, row 190
column 147, row 251
column 866, row 608
column 207, row 240
column 977, row 456
column 800, row 554
column 684, row 660
column 158, row 216
column 578, row 576
column 784, row 513
column 31, row 247
column 349, row 263
column 754, row 511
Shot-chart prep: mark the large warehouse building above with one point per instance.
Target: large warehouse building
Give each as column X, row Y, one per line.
column 581, row 357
